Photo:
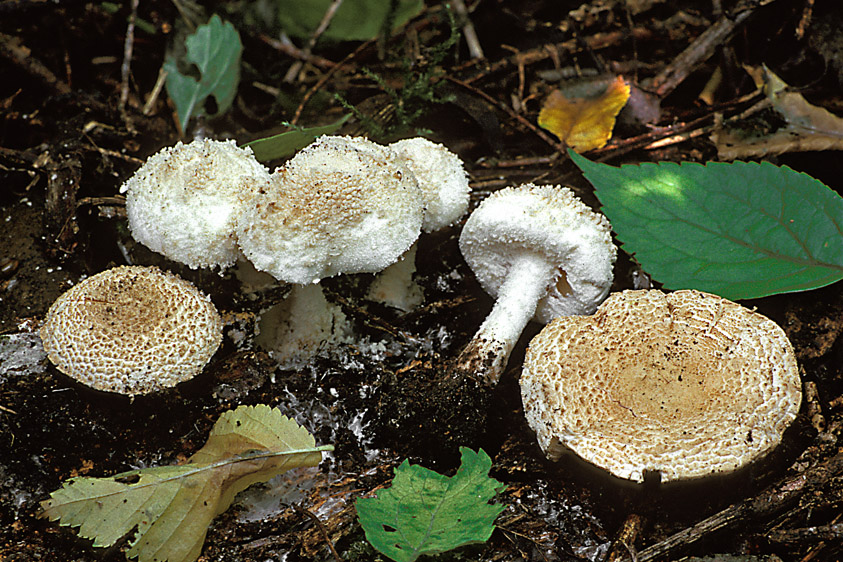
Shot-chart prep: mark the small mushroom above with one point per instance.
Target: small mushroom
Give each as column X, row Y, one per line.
column 542, row 253
column 341, row 205
column 685, row 384
column 131, row 330
column 445, row 194
column 184, row 201
column 441, row 178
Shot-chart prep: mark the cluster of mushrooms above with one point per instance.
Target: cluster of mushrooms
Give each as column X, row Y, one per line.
column 682, row 384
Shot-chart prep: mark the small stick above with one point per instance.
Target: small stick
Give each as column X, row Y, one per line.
column 772, row 500
column 126, row 67
column 293, row 71
column 701, row 49
column 321, row 530
column 474, row 48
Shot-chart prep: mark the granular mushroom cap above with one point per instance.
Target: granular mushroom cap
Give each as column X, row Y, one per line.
column 442, row 180
column 132, row 330
column 184, row 201
column 548, row 221
column 341, row 205
column 685, row 384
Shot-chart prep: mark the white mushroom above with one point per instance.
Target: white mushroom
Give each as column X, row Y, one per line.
column 341, row 205
column 445, row 194
column 184, row 201
column 684, row 384
column 542, row 253
column 441, row 177
column 295, row 329
column 132, row 330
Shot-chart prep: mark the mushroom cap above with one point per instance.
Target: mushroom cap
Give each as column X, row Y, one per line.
column 184, row 201
column 685, row 383
column 341, row 205
column 132, row 330
column 549, row 221
column 442, row 180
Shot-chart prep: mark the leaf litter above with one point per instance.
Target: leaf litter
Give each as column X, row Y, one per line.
column 172, row 506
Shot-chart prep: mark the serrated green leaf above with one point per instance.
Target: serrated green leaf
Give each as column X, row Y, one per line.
column 425, row 513
column 289, row 142
column 172, row 506
column 739, row 230
column 215, row 49
column 354, row 20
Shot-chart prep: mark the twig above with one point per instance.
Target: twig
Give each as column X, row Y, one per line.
column 701, row 49
column 474, row 48
column 156, row 91
column 292, row 51
column 773, row 500
column 322, row 81
column 506, row 109
column 11, row 48
column 293, row 71
column 126, row 67
column 321, row 530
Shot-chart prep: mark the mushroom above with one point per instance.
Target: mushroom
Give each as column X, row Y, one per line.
column 441, row 178
column 341, row 205
column 684, row 384
column 295, row 329
column 184, row 201
column 542, row 253
column 445, row 195
column 131, row 330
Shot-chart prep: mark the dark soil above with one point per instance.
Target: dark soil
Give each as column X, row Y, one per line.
column 65, row 148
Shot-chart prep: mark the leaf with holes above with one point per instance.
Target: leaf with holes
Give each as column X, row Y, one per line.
column 172, row 506
column 215, row 49
column 740, row 230
column 425, row 513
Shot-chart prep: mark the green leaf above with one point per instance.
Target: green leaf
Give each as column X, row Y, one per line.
column 740, row 230
column 215, row 50
column 426, row 513
column 354, row 20
column 172, row 506
column 289, row 142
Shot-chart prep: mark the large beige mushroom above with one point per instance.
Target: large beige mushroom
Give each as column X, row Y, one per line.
column 685, row 384
column 131, row 330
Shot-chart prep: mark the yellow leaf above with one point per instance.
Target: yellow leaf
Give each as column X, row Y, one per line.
column 584, row 123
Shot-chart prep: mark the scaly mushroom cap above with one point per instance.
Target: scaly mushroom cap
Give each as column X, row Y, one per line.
column 442, row 180
column 184, row 201
column 686, row 384
column 341, row 205
column 549, row 221
column 132, row 330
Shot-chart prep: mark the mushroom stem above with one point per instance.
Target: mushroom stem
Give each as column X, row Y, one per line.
column 485, row 356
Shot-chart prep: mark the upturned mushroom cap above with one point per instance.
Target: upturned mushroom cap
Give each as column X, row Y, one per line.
column 341, row 205
column 442, row 180
column 184, row 201
column 686, row 384
column 132, row 330
column 551, row 222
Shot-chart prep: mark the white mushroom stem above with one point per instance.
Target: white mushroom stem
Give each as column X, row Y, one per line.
column 527, row 282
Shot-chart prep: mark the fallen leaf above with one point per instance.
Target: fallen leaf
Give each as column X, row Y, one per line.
column 172, row 506
column 584, row 123
column 741, row 230
column 425, row 513
column 806, row 128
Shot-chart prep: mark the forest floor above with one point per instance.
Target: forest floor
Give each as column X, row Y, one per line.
column 79, row 117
